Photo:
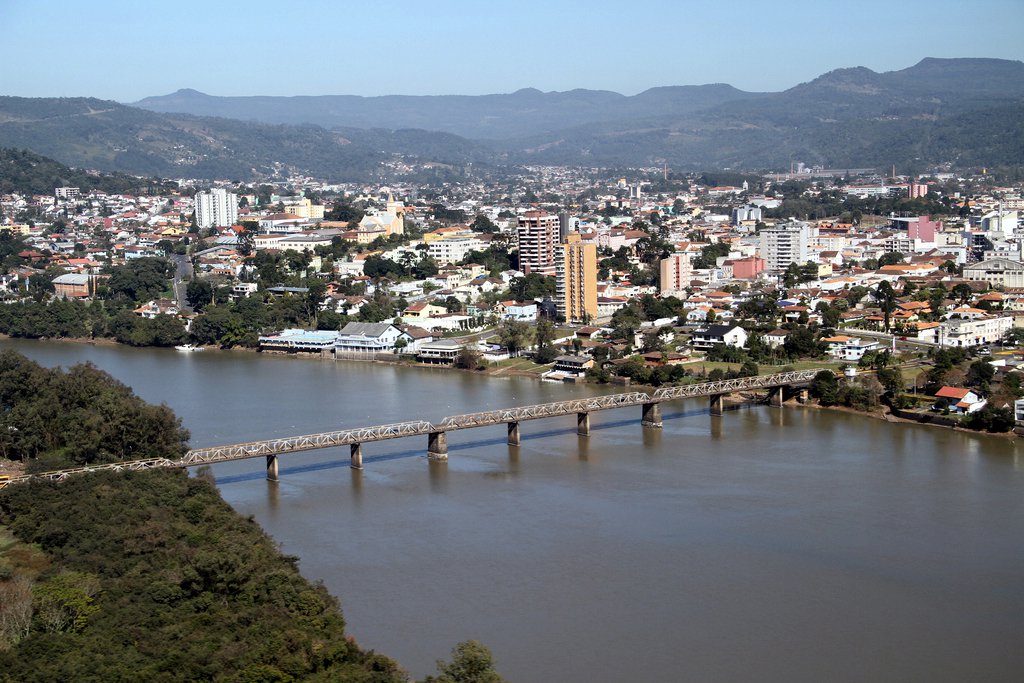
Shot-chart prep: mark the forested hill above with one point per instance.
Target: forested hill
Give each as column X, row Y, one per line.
column 965, row 112
column 150, row 575
column 98, row 134
column 29, row 173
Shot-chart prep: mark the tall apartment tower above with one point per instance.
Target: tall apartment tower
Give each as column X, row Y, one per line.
column 784, row 244
column 538, row 242
column 676, row 274
column 216, row 207
column 576, row 280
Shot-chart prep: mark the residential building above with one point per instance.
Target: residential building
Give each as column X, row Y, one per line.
column 517, row 310
column 707, row 337
column 747, row 268
column 676, row 274
column 847, row 348
column 216, row 208
column 576, row 280
column 453, row 249
column 963, row 332
column 784, row 244
column 959, row 400
column 369, row 338
column 538, row 242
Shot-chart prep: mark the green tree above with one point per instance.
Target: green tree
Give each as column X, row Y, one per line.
column 65, row 602
column 886, row 297
column 962, row 292
column 471, row 662
column 483, row 224
column 199, row 294
column 532, row 286
column 825, row 388
column 513, row 335
column 468, row 358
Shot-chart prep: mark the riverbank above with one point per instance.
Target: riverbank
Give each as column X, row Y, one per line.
column 492, row 371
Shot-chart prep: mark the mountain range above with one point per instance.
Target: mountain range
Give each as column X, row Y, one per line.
column 960, row 111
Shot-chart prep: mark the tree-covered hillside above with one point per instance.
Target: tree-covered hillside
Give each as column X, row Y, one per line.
column 151, row 576
column 29, row 173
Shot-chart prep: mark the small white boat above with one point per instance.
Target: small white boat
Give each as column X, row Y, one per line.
column 188, row 347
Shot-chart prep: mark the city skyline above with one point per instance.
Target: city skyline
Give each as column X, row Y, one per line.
column 111, row 50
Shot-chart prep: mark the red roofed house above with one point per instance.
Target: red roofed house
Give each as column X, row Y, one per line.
column 959, row 400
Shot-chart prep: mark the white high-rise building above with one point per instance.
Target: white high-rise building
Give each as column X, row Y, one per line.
column 216, row 207
column 784, row 244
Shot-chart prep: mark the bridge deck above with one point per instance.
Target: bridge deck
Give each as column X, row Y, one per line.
column 271, row 447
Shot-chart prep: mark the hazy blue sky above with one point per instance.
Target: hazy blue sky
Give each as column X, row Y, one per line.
column 126, row 50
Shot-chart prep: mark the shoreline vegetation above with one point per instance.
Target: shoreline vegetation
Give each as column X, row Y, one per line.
column 880, row 411
column 151, row 575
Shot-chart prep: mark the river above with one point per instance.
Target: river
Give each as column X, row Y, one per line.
column 770, row 544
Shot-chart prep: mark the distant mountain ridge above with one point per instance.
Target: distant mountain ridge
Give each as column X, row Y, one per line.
column 486, row 117
column 961, row 111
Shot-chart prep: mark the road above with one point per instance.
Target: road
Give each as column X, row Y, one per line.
column 888, row 337
column 182, row 272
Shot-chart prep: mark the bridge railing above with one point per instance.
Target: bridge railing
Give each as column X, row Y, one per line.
column 727, row 386
column 541, row 410
column 252, row 449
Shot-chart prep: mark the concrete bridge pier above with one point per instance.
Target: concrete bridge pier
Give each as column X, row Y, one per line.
column 437, row 446
column 718, row 404
column 803, row 395
column 652, row 415
column 272, row 473
column 583, row 424
column 514, row 438
column 357, row 456
column 777, row 396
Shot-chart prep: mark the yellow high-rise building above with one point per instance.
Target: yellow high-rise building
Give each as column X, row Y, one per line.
column 576, row 280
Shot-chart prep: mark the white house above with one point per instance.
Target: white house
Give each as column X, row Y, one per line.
column 707, row 337
column 369, row 338
column 517, row 310
column 960, row 400
column 849, row 348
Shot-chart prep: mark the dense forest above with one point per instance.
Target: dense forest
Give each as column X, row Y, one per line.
column 152, row 576
column 52, row 418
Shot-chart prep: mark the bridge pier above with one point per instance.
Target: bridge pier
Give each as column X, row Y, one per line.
column 652, row 415
column 437, row 446
column 357, row 456
column 718, row 404
column 802, row 395
column 583, row 424
column 777, row 396
column 513, row 434
column 272, row 472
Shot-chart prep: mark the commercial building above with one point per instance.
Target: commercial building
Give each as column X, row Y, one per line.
column 997, row 272
column 216, row 208
column 538, row 242
column 576, row 280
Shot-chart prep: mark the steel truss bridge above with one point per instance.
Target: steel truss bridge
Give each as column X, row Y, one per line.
column 436, row 432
